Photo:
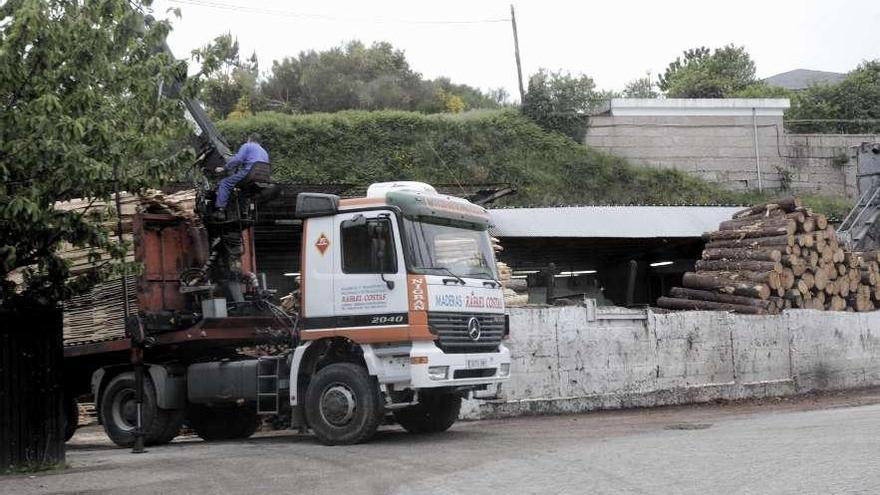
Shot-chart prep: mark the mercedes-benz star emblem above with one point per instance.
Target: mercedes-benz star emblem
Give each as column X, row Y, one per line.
column 473, row 328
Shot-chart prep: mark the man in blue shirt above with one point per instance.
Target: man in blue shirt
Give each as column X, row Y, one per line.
column 250, row 153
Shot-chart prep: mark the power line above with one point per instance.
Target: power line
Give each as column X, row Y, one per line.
column 322, row 17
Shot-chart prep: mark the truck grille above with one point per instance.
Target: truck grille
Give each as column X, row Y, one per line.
column 453, row 337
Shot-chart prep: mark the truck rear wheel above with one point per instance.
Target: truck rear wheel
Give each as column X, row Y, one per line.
column 119, row 412
column 343, row 405
column 214, row 424
column 434, row 413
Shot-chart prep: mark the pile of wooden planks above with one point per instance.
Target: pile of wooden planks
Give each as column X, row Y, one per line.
column 515, row 289
column 181, row 204
column 98, row 314
column 776, row 256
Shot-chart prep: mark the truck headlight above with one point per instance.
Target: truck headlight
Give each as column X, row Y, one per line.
column 504, row 369
column 438, row 372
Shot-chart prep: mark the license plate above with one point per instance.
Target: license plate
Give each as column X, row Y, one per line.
column 477, row 363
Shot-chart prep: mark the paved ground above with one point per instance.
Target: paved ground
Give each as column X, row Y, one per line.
column 828, row 444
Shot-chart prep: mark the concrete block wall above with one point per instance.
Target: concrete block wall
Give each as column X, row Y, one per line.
column 722, row 150
column 574, row 359
column 812, row 160
column 717, row 149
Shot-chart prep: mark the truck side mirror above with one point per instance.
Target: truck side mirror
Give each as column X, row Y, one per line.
column 378, row 233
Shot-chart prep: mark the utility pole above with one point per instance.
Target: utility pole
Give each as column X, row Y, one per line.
column 522, row 91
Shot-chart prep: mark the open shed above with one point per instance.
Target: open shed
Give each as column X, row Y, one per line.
column 623, row 255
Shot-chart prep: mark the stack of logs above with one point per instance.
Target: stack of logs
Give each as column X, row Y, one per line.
column 777, row 256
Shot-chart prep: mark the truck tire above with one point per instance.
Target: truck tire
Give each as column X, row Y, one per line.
column 119, row 412
column 175, row 422
column 343, row 404
column 71, row 417
column 434, row 413
column 214, row 424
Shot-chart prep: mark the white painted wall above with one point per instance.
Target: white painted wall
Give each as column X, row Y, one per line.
column 573, row 359
column 699, row 107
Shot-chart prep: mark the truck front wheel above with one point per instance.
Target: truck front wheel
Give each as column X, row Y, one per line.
column 223, row 423
column 343, row 404
column 119, row 412
column 434, row 413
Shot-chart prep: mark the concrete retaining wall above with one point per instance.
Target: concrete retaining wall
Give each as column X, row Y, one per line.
column 721, row 149
column 573, row 359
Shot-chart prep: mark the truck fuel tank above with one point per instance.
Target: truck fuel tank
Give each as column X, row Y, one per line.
column 222, row 382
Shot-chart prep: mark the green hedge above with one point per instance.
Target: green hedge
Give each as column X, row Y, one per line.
column 474, row 147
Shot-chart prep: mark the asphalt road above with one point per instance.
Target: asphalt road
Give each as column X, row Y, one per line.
column 829, row 444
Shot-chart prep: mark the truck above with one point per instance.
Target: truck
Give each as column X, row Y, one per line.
column 401, row 315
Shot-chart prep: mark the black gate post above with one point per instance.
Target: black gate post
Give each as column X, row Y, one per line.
column 31, row 389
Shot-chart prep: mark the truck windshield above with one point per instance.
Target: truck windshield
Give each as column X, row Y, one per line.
column 435, row 249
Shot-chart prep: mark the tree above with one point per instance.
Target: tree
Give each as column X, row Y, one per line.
column 702, row 73
column 642, row 87
column 850, row 106
column 79, row 82
column 233, row 82
column 81, row 118
column 763, row 90
column 360, row 77
column 562, row 102
column 281, row 90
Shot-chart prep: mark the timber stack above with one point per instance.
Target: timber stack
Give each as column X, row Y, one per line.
column 97, row 315
column 775, row 256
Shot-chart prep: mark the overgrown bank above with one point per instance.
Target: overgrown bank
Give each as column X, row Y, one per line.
column 469, row 148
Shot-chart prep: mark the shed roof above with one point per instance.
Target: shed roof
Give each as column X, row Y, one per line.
column 635, row 222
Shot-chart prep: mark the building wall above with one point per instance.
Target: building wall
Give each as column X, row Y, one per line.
column 823, row 163
column 722, row 149
column 574, row 359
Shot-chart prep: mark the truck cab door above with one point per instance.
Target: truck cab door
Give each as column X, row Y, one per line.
column 369, row 273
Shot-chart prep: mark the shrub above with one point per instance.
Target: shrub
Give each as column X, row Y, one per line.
column 469, row 148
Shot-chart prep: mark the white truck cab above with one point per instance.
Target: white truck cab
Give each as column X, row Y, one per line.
column 401, row 284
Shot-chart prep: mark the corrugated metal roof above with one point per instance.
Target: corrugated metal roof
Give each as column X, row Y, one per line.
column 609, row 221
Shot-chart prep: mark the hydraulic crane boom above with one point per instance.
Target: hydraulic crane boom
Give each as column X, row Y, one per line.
column 211, row 148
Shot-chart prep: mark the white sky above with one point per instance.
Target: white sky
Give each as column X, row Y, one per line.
column 613, row 42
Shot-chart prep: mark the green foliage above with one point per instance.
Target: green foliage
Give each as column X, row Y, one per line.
column 78, row 83
column 786, row 176
column 561, row 102
column 34, row 467
column 761, row 89
column 702, row 73
column 357, row 77
column 850, row 106
column 233, row 82
column 834, row 207
column 643, row 87
column 472, row 147
column 840, row 158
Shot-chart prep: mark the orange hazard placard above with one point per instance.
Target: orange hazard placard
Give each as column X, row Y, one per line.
column 322, row 243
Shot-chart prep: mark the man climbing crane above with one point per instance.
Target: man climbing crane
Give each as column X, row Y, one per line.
column 249, row 154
